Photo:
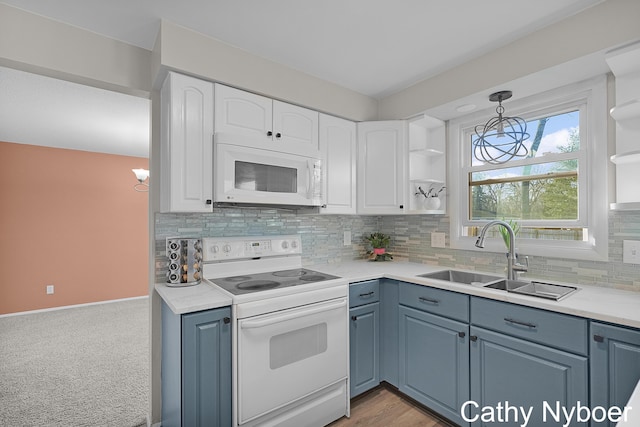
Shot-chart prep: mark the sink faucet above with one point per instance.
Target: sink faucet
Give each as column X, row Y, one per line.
column 513, row 267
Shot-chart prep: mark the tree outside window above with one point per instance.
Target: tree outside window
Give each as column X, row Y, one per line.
column 534, row 188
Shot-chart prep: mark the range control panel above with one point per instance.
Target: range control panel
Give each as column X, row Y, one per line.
column 232, row 248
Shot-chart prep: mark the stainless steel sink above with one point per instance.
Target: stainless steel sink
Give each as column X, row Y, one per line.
column 536, row 289
column 506, row 284
column 465, row 277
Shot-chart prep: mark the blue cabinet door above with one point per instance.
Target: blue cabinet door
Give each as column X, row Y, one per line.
column 615, row 366
column 526, row 375
column 434, row 361
column 364, row 348
column 389, row 345
column 206, row 368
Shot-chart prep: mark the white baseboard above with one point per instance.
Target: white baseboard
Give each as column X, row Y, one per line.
column 20, row 313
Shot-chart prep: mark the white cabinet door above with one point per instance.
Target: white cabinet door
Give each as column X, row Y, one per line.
column 338, row 148
column 187, row 145
column 243, row 113
column 260, row 122
column 382, row 158
column 295, row 129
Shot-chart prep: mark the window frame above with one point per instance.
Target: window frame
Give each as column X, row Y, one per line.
column 592, row 175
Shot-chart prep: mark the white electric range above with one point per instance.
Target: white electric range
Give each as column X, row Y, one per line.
column 290, row 332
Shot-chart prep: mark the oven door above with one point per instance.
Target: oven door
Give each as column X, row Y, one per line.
column 287, row 355
column 261, row 176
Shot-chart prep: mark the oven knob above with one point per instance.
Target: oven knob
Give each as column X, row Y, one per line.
column 215, row 249
column 294, row 244
column 285, row 244
column 226, row 248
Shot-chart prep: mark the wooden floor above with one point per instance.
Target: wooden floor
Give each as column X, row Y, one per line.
column 383, row 407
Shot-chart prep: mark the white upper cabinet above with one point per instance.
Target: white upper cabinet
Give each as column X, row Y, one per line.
column 427, row 166
column 382, row 159
column 242, row 113
column 295, row 128
column 338, row 148
column 260, row 122
column 186, row 145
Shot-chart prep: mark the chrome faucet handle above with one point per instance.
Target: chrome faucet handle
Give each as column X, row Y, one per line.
column 520, row 267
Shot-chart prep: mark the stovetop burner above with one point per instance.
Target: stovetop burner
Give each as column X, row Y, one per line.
column 238, row 285
column 290, row 273
column 257, row 285
column 238, row 278
column 312, row 278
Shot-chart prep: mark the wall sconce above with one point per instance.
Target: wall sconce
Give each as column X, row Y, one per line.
column 501, row 138
column 141, row 175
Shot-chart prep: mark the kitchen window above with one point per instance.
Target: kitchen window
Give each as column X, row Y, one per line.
column 557, row 193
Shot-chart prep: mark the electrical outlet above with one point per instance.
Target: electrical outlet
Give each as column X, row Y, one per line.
column 49, row 289
column 437, row 240
column 347, row 238
column 631, row 251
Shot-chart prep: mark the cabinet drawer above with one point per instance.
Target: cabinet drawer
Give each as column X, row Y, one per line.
column 364, row 293
column 436, row 301
column 545, row 327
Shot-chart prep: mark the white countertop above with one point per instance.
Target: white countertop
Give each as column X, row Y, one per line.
column 600, row 303
column 188, row 299
column 594, row 302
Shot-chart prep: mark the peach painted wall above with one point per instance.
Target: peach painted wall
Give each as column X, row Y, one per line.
column 71, row 219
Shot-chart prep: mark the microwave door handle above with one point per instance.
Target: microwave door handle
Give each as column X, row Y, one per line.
column 251, row 324
column 309, row 179
column 313, row 185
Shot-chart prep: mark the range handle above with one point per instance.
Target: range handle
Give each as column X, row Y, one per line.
column 252, row 324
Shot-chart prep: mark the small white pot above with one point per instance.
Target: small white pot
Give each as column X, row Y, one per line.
column 432, row 203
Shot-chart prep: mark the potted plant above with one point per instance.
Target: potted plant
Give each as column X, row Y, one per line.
column 379, row 243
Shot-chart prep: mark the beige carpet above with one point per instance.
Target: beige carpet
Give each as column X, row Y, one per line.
column 83, row 366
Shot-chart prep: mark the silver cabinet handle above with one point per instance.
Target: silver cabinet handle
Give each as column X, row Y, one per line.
column 432, row 301
column 368, row 294
column 518, row 322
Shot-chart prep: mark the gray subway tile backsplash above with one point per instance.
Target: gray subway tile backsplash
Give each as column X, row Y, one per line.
column 322, row 242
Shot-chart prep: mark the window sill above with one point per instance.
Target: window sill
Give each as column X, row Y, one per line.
column 548, row 249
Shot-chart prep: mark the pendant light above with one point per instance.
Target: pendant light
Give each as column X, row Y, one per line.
column 501, row 138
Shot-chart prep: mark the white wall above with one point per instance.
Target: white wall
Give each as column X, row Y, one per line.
column 597, row 29
column 39, row 45
column 185, row 50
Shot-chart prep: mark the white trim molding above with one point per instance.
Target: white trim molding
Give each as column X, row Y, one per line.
column 593, row 198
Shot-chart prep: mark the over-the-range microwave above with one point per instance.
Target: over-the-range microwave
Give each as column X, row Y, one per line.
column 244, row 174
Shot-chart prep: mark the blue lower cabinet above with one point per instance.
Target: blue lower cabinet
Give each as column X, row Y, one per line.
column 364, row 348
column 389, row 344
column 196, row 368
column 615, row 368
column 434, row 361
column 520, row 381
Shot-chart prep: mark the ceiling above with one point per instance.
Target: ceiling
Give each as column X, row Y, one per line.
column 374, row 47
